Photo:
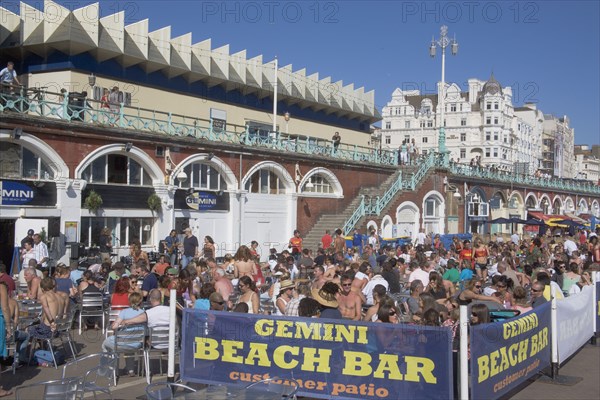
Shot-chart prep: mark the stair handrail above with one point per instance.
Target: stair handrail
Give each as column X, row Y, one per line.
column 355, row 217
column 431, row 160
column 389, row 194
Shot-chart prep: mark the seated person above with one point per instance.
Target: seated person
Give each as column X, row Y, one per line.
column 161, row 266
column 21, row 337
column 120, row 297
column 135, row 302
column 33, row 283
column 158, row 315
column 51, row 309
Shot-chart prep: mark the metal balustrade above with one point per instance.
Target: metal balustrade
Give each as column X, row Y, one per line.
column 374, row 206
column 524, row 180
column 34, row 102
column 87, row 111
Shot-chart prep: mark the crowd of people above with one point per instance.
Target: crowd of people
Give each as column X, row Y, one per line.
column 417, row 283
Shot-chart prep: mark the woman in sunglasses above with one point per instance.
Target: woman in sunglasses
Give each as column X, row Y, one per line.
column 472, row 292
column 388, row 312
column 480, row 314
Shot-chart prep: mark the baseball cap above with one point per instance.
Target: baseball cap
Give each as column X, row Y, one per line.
column 30, row 232
column 172, row 271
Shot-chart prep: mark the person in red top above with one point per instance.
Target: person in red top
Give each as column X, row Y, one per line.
column 121, row 295
column 466, row 253
column 4, row 277
column 296, row 244
column 161, row 266
column 326, row 240
column 582, row 237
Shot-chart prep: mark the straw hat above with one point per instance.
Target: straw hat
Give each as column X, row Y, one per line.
column 324, row 298
column 286, row 285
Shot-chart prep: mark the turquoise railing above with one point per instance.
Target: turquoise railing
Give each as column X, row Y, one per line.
column 524, row 180
column 355, row 217
column 375, row 205
column 140, row 119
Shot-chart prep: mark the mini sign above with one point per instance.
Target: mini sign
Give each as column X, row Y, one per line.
column 202, row 200
column 15, row 194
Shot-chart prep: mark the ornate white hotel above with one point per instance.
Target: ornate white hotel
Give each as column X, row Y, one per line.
column 481, row 122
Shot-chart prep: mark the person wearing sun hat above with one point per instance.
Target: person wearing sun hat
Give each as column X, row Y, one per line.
column 286, row 292
column 327, row 298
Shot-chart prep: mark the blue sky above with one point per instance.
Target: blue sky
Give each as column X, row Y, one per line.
column 548, row 51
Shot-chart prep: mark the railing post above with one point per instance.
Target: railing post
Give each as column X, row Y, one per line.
column 65, row 106
column 170, row 124
column 246, row 135
column 355, row 157
column 121, row 115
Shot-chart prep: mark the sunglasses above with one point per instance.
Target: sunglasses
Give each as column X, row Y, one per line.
column 535, row 290
column 346, row 284
column 392, row 313
column 474, row 315
column 218, row 302
column 477, row 286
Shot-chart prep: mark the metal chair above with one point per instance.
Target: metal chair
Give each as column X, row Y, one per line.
column 92, row 305
column 113, row 314
column 105, row 370
column 165, row 390
column 286, row 387
column 63, row 329
column 30, row 308
column 64, row 389
column 127, row 339
column 158, row 343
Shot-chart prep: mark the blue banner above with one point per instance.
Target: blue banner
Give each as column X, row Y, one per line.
column 505, row 354
column 328, row 358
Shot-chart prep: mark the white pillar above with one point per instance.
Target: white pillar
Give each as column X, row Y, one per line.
column 464, row 353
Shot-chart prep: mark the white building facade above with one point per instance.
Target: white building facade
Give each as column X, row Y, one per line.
column 481, row 125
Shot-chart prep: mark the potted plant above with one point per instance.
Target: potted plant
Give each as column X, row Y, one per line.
column 154, row 203
column 93, row 201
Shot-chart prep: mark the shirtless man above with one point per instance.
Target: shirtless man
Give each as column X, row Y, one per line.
column 63, row 300
column 223, row 285
column 319, row 279
column 329, row 268
column 33, row 283
column 51, row 310
column 350, row 304
column 339, row 243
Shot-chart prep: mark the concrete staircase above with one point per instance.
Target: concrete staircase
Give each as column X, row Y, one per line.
column 337, row 220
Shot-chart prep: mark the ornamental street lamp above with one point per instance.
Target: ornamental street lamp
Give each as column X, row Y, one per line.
column 443, row 42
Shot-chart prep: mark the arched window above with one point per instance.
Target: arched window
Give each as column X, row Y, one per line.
column 203, row 176
column 265, row 181
column 318, row 184
column 18, row 162
column 116, row 169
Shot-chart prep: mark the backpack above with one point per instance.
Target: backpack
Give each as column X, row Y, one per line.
column 44, row 358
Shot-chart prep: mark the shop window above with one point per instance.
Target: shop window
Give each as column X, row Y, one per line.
column 19, row 162
column 116, row 169
column 203, row 176
column 124, row 230
column 265, row 181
